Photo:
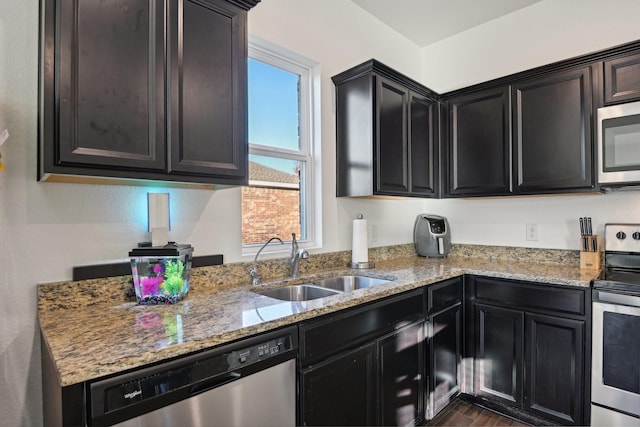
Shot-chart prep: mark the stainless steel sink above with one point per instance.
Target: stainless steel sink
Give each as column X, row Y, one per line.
column 298, row 292
column 349, row 283
column 321, row 288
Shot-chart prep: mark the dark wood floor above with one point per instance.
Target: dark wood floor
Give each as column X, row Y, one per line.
column 461, row 413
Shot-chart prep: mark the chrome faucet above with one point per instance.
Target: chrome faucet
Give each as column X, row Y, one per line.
column 294, row 257
column 253, row 271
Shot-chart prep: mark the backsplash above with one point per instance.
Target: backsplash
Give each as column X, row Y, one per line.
column 516, row 254
column 114, row 290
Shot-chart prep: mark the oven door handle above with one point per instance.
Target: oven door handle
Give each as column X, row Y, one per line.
column 616, row 298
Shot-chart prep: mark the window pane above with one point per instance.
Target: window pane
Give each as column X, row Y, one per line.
column 274, row 106
column 272, row 205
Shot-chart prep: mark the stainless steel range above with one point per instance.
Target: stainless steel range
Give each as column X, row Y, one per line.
column 615, row 384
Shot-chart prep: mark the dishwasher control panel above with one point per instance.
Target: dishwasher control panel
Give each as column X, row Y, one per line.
column 259, row 352
column 190, row 375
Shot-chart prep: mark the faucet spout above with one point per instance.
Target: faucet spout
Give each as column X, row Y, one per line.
column 253, row 271
column 294, row 257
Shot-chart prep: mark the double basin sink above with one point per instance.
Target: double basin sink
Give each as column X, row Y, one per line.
column 321, row 288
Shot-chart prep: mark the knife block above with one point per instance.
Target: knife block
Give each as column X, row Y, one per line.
column 591, row 260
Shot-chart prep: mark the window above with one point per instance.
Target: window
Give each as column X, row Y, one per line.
column 280, row 199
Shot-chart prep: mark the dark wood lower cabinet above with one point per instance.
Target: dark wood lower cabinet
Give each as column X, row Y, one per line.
column 381, row 383
column 530, row 346
column 555, row 361
column 341, row 391
column 499, row 353
column 401, row 376
column 366, row 365
column 445, row 354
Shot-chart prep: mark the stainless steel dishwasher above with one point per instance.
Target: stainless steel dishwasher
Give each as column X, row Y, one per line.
column 250, row 382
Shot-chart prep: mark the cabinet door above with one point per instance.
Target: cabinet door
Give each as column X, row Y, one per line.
column 552, row 132
column 340, row 391
column 423, row 151
column 622, row 79
column 401, row 376
column 110, row 86
column 554, row 360
column 391, row 149
column 478, row 148
column 499, row 354
column 445, row 349
column 208, row 89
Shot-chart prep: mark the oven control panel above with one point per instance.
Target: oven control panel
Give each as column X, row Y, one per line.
column 622, row 237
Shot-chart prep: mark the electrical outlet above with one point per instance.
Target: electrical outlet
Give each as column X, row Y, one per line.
column 373, row 233
column 532, row 232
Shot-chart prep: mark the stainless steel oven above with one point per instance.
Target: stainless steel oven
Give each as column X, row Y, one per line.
column 615, row 383
column 619, row 144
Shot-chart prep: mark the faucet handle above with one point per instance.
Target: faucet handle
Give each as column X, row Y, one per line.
column 303, row 254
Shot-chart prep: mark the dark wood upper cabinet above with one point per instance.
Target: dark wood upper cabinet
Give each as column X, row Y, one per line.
column 208, row 89
column 622, row 79
column 423, row 144
column 478, row 144
column 127, row 95
column 392, row 145
column 521, row 135
column 386, row 131
column 110, row 75
column 552, row 132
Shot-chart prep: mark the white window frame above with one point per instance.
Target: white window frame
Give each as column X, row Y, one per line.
column 309, row 152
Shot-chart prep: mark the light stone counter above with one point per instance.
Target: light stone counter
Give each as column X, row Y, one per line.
column 109, row 335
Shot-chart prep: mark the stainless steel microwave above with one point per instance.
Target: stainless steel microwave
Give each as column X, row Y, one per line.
column 619, row 144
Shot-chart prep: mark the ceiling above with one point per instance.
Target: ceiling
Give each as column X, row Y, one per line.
column 427, row 21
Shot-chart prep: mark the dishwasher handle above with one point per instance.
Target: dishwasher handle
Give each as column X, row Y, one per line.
column 214, row 382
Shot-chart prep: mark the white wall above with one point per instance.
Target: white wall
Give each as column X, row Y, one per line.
column 545, row 32
column 47, row 228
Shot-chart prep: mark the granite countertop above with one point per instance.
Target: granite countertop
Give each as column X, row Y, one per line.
column 89, row 342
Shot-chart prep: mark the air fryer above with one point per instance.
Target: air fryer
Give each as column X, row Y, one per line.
column 431, row 236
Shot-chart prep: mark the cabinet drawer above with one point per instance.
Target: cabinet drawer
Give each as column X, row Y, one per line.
column 530, row 295
column 338, row 331
column 444, row 294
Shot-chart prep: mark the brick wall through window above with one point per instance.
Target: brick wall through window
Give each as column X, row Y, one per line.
column 270, row 205
column 269, row 212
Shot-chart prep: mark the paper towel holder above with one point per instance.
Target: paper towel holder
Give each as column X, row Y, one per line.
column 361, row 265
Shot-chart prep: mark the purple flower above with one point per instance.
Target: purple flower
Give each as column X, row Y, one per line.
column 150, row 285
column 158, row 268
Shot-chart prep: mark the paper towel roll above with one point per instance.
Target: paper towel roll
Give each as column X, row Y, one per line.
column 359, row 248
